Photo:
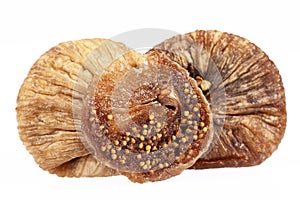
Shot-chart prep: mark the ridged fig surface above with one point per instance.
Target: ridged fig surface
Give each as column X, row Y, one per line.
column 245, row 91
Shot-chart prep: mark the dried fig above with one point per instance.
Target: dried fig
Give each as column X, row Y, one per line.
column 53, row 88
column 245, row 92
column 146, row 118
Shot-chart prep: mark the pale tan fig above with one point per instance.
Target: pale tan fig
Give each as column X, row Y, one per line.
column 53, row 88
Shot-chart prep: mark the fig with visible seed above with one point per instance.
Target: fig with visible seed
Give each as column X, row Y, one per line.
column 147, row 119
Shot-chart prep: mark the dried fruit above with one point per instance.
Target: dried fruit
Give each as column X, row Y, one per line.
column 53, row 89
column 140, row 120
column 245, row 92
column 200, row 100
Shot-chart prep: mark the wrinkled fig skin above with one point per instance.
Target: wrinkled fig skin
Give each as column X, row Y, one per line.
column 45, row 116
column 255, row 108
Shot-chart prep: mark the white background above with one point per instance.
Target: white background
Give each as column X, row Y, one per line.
column 29, row 28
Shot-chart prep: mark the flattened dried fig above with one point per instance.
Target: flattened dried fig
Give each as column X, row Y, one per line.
column 146, row 118
column 51, row 92
column 245, row 92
